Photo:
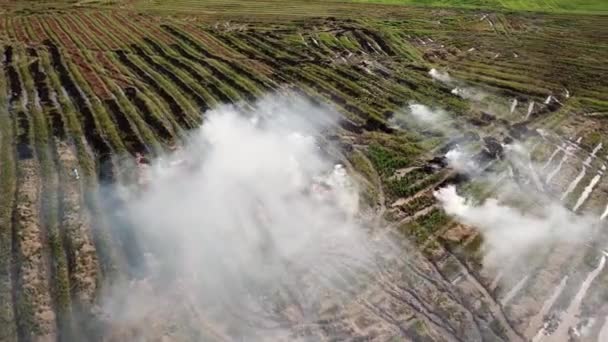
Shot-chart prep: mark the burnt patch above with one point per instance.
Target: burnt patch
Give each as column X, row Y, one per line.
column 156, row 124
column 380, row 42
column 24, row 150
column 8, row 54
column 128, row 134
column 13, row 77
column 57, row 124
column 350, row 126
column 438, row 162
column 362, row 40
column 373, row 124
column 492, row 150
column 40, row 82
column 455, row 179
column 175, row 108
column 478, row 122
column 105, row 169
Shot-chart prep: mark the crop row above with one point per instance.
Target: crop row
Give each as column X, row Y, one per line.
column 80, row 98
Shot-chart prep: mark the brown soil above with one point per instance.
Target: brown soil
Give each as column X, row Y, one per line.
column 33, row 268
column 110, row 21
column 91, row 76
column 150, row 27
column 79, row 33
column 82, row 257
column 39, row 33
column 21, row 34
column 458, row 233
column 101, row 35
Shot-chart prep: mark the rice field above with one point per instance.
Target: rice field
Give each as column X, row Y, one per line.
column 89, row 84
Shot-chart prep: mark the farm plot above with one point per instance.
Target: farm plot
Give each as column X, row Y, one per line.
column 94, row 91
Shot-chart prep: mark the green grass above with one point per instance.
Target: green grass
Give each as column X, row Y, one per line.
column 385, row 160
column 561, row 6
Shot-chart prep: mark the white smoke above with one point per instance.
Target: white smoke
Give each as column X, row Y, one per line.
column 521, row 219
column 417, row 116
column 470, row 93
column 250, row 222
column 461, row 90
column 510, row 233
column 441, row 76
column 461, row 161
column 427, row 115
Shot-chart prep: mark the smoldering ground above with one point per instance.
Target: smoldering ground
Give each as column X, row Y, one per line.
column 248, row 231
column 512, row 234
column 520, row 221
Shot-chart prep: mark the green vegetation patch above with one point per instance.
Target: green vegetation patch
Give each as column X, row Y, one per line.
column 565, row 6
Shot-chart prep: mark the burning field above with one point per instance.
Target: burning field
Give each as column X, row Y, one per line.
column 302, row 171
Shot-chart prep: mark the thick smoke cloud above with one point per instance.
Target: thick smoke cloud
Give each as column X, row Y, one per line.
column 509, row 232
column 511, row 235
column 522, row 220
column 251, row 220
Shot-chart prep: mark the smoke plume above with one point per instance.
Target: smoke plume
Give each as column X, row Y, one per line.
column 511, row 233
column 422, row 117
column 462, row 90
column 251, row 220
column 522, row 220
column 441, row 76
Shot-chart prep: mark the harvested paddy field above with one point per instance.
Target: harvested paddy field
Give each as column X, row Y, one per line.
column 305, row 170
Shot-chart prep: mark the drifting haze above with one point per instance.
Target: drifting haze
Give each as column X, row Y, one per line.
column 252, row 222
column 510, row 233
column 422, row 117
column 521, row 220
